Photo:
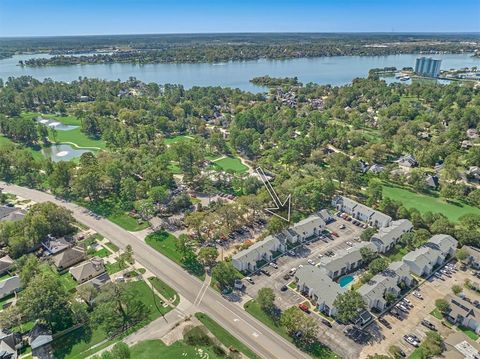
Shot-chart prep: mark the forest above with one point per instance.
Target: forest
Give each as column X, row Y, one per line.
column 143, row 49
column 154, row 133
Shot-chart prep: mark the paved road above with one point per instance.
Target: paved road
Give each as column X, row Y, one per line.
column 250, row 331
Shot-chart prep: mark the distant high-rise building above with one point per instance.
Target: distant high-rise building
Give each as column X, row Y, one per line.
column 426, row 66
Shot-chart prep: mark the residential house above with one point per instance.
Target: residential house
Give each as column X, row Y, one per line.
column 376, row 168
column 9, row 286
column 69, row 257
column 88, row 270
column 319, row 287
column 473, row 173
column 247, row 259
column 423, row 260
column 361, row 212
column 463, row 313
column 407, row 161
column 98, row 281
column 11, row 214
column 432, row 181
column 326, row 216
column 473, row 259
column 6, row 264
column 39, row 336
column 472, row 133
column 345, row 261
column 386, row 237
column 446, row 244
column 7, row 348
column 306, row 228
column 375, row 292
column 55, row 245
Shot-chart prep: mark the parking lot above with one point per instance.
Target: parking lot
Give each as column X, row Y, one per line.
column 410, row 323
column 278, row 279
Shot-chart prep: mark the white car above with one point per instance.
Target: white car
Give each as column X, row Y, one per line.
column 273, row 265
column 342, row 226
column 311, row 262
column 417, row 295
column 350, row 244
column 249, row 280
column 300, row 266
column 320, row 255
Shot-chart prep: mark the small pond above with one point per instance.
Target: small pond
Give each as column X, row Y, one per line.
column 62, row 152
column 55, row 124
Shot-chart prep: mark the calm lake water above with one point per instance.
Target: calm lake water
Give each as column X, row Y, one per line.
column 62, row 152
column 336, row 70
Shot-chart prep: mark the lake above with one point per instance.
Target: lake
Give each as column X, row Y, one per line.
column 335, row 70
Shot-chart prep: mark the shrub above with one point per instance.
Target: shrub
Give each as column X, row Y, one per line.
column 197, row 336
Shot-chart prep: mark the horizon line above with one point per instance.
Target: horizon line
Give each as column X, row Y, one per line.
column 250, row 33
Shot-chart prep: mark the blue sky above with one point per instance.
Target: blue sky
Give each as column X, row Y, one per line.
column 88, row 17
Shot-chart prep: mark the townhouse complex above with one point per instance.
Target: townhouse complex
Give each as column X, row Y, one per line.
column 319, row 283
column 248, row 259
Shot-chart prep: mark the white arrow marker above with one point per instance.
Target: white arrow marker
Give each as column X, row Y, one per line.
column 279, row 205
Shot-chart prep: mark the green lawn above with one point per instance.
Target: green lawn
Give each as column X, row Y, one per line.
column 224, row 336
column 164, row 243
column 231, row 163
column 425, row 203
column 37, row 154
column 127, row 222
column 112, row 246
column 468, row 332
column 319, row 351
column 397, row 253
column 102, row 253
column 163, row 288
column 436, row 313
column 77, row 137
column 78, row 344
column 173, row 139
column 416, row 354
column 153, row 349
column 114, row 267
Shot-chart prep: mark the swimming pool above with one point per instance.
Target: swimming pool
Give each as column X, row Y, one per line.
column 345, row 281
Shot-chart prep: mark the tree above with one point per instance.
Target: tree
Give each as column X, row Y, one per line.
column 378, row 265
column 367, row 234
column 368, row 254
column 348, row 305
column 461, row 254
column 442, row 305
column 225, row 274
column 118, row 308
column 208, row 256
column 145, row 208
column 432, row 345
column 395, row 351
column 456, row 289
column 121, row 351
column 195, row 220
column 266, row 299
column 45, row 299
column 295, row 321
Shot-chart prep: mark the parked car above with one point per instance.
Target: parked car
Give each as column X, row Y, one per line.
column 249, row 280
column 417, row 295
column 410, row 340
column 311, row 262
column 429, row 325
column 342, row 226
column 265, row 272
column 286, row 276
column 385, row 322
column 327, row 323
column 304, row 308
column 284, row 288
column 273, row 265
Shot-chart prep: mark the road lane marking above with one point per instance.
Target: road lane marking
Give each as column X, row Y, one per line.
column 231, row 311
